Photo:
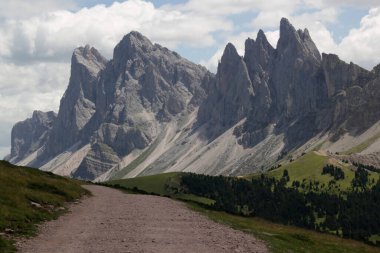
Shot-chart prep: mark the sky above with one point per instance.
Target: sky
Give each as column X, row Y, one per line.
column 38, row 37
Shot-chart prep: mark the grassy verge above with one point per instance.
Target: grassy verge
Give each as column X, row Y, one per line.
column 281, row 238
column 29, row 196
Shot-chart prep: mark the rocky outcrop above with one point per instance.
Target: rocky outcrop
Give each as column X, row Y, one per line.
column 99, row 160
column 31, row 134
column 78, row 104
column 123, row 104
column 295, row 91
column 352, row 95
column 142, row 88
column 339, row 75
column 148, row 110
column 274, row 86
column 294, row 74
column 230, row 94
column 147, row 78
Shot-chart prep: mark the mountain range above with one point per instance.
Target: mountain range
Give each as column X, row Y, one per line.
column 148, row 111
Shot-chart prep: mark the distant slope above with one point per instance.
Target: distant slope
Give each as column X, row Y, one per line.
column 280, row 237
column 167, row 184
column 308, row 168
column 151, row 184
column 29, row 196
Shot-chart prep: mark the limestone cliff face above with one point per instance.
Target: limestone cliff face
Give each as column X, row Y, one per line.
column 149, row 83
column 230, row 94
column 150, row 101
column 294, row 77
column 340, row 75
column 281, row 86
column 120, row 105
column 258, row 58
column 142, row 88
column 293, row 90
column 31, row 134
column 78, row 104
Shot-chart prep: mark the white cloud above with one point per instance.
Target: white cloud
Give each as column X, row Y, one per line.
column 53, row 36
column 33, row 87
column 269, row 19
column 24, row 89
column 228, row 7
column 362, row 45
column 22, row 9
column 341, row 3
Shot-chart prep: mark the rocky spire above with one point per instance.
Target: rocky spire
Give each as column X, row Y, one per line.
column 230, row 97
column 31, row 134
column 78, row 103
column 297, row 43
column 133, row 45
column 257, row 56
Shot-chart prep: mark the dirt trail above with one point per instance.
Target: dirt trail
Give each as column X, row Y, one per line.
column 112, row 221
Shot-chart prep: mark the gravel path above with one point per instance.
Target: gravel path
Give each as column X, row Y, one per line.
column 112, row 221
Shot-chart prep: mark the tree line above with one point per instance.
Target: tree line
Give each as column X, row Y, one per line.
column 353, row 214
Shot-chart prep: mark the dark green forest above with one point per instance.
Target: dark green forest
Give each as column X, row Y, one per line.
column 353, row 214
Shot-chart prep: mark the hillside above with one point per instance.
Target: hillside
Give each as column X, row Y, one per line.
column 277, row 236
column 28, row 197
column 308, row 168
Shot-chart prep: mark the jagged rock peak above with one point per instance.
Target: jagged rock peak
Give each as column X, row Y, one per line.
column 260, row 39
column 31, row 134
column 286, row 28
column 260, row 43
column 133, row 41
column 89, row 57
column 230, row 53
column 288, row 35
column 43, row 116
column 304, row 35
column 133, row 45
column 261, row 35
column 137, row 38
column 257, row 52
column 376, row 69
column 249, row 43
column 296, row 42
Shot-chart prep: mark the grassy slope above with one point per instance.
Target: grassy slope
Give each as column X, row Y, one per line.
column 156, row 184
column 281, row 238
column 309, row 167
column 278, row 237
column 151, row 184
column 19, row 187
